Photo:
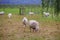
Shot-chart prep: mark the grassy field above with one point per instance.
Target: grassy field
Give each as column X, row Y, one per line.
column 12, row 29
column 26, row 10
column 10, row 10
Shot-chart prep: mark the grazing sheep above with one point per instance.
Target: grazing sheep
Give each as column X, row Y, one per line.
column 46, row 14
column 9, row 15
column 2, row 12
column 25, row 21
column 33, row 24
column 31, row 13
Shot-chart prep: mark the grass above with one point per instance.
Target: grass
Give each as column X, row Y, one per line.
column 12, row 29
column 10, row 10
column 26, row 10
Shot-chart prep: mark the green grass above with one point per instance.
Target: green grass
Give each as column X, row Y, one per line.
column 10, row 10
column 16, row 10
column 36, row 10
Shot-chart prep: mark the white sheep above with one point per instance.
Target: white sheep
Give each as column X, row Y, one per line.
column 46, row 14
column 25, row 21
column 31, row 13
column 9, row 15
column 33, row 24
column 2, row 12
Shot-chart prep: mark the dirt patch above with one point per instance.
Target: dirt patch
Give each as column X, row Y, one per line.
column 12, row 29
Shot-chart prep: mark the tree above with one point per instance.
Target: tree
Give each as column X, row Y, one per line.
column 47, row 2
column 43, row 6
column 57, row 7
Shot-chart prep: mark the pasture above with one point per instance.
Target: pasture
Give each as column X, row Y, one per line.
column 12, row 29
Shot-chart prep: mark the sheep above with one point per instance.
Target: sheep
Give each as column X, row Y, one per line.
column 25, row 21
column 33, row 24
column 2, row 12
column 31, row 13
column 46, row 14
column 9, row 15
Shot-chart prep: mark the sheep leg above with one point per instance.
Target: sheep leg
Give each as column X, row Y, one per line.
column 33, row 30
column 24, row 27
column 30, row 29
